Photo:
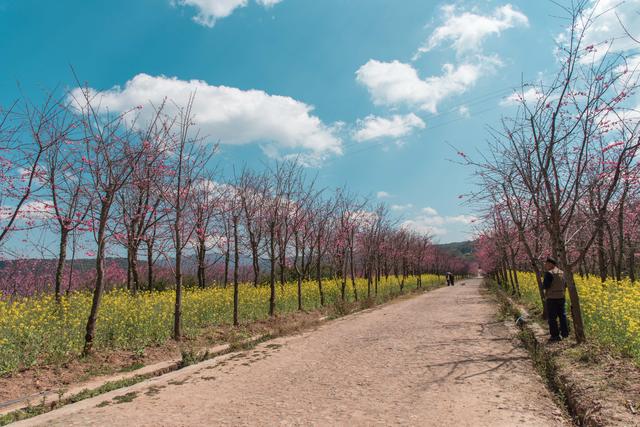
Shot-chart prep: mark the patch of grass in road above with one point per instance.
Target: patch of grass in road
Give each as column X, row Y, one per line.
column 126, row 398
column 154, row 390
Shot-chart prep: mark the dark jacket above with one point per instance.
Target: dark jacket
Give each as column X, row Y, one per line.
column 554, row 284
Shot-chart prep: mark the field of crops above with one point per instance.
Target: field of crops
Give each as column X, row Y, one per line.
column 38, row 330
column 611, row 310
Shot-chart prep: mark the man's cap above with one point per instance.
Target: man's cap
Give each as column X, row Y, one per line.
column 551, row 260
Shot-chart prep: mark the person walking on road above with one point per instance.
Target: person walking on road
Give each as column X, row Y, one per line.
column 554, row 292
column 449, row 278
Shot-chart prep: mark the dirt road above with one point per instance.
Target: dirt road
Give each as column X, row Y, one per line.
column 439, row 359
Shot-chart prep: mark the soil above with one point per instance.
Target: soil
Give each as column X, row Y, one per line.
column 605, row 388
column 440, row 358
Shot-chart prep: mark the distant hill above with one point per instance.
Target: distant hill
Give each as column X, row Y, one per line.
column 464, row 250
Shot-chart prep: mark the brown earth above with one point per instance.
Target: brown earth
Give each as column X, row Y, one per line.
column 440, row 358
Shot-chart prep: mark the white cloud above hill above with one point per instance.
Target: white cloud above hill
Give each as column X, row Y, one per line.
column 430, row 222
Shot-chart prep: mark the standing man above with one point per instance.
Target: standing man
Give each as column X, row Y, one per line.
column 554, row 292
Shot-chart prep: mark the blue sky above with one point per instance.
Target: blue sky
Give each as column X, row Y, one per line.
column 372, row 94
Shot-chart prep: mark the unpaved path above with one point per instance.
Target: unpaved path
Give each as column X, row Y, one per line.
column 438, row 359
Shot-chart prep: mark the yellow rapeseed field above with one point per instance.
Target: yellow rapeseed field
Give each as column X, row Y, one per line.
column 38, row 330
column 611, row 310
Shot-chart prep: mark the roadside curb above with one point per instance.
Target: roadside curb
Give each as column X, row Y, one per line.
column 51, row 398
column 533, row 336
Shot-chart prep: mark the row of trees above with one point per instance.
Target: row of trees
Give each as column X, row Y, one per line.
column 561, row 175
column 144, row 183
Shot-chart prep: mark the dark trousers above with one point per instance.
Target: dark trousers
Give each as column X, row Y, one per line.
column 555, row 311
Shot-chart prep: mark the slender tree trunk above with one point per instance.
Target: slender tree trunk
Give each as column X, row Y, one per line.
column 256, row 265
column 343, row 276
column 62, row 256
column 227, row 256
column 71, row 267
column 272, row 273
column 99, row 284
column 632, row 265
column 299, row 274
column 129, row 262
column 177, row 313
column 202, row 253
column 150, row 264
column 283, row 267
column 135, row 283
column 377, row 277
column 602, row 255
column 369, row 280
column 353, row 275
column 319, row 278
column 576, row 311
column 236, row 265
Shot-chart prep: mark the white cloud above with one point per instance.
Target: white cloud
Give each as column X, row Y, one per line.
column 607, row 28
column 209, row 11
column 394, row 83
column 268, row 3
column 373, row 127
column 401, row 207
column 429, row 211
column 631, row 65
column 433, row 223
column 464, row 111
column 383, row 195
column 30, row 211
column 231, row 115
column 530, row 96
column 423, row 227
column 467, row 31
column 462, row 219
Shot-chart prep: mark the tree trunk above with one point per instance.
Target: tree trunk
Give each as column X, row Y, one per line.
column 62, row 256
column 135, row 285
column 256, row 265
column 343, row 276
column 272, row 273
column 150, row 264
column 576, row 311
column 99, row 284
column 225, row 278
column 602, row 256
column 353, row 275
column 71, row 267
column 236, row 262
column 177, row 313
column 369, row 280
column 202, row 252
column 631, row 262
column 319, row 277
